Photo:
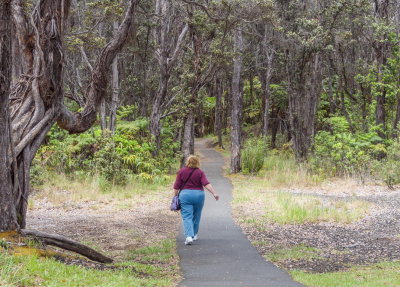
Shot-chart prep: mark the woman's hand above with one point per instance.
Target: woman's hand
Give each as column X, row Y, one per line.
column 210, row 188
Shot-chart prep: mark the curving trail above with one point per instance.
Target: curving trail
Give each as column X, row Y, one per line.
column 223, row 256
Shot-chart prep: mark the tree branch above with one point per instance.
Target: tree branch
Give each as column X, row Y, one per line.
column 33, row 132
column 204, row 8
column 80, row 122
column 85, row 58
column 67, row 244
column 178, row 46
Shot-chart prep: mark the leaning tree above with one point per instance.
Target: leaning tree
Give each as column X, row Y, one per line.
column 36, row 101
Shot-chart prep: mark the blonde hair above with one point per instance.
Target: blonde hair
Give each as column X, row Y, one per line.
column 193, row 161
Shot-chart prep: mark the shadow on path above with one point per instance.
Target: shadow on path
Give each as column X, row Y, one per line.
column 223, row 256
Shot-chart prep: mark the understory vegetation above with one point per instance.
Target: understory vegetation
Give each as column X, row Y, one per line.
column 365, row 157
column 35, row 270
column 376, row 275
column 106, row 160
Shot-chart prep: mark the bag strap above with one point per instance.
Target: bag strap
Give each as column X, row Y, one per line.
column 183, row 185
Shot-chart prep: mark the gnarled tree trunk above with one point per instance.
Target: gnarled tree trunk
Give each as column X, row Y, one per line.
column 36, row 101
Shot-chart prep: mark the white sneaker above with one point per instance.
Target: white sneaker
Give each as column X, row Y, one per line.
column 189, row 240
column 195, row 237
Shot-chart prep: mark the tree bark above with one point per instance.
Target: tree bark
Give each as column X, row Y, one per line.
column 236, row 116
column 115, row 88
column 274, row 127
column 218, row 110
column 8, row 218
column 304, row 90
column 188, row 137
column 103, row 115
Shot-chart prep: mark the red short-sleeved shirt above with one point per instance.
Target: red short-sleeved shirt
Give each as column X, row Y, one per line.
column 196, row 181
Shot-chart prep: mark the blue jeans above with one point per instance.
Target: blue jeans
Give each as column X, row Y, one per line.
column 192, row 202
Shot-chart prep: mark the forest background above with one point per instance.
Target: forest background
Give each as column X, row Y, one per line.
column 313, row 85
column 317, row 78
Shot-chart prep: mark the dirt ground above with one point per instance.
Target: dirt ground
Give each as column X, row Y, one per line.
column 106, row 226
column 373, row 239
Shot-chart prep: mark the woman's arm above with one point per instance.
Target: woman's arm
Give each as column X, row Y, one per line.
column 210, row 188
column 176, row 191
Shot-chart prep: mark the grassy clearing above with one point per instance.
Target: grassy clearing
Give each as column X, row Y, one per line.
column 36, row 271
column 59, row 188
column 281, row 170
column 295, row 253
column 158, row 269
column 286, row 208
column 385, row 274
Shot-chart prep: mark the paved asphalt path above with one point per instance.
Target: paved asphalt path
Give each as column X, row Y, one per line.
column 223, row 256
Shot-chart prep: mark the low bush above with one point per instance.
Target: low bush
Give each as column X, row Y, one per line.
column 253, row 155
column 388, row 169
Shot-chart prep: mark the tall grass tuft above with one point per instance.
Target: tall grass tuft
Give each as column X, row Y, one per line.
column 253, row 155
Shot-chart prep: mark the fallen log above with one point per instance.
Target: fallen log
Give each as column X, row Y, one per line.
column 67, row 244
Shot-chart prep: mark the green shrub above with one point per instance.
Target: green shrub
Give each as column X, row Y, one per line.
column 342, row 153
column 109, row 164
column 253, row 155
column 388, row 168
column 112, row 157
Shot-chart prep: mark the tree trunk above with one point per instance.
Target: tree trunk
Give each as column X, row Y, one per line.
column 188, row 137
column 236, row 116
column 264, row 69
column 274, row 127
column 218, row 110
column 115, row 88
column 36, row 102
column 156, row 111
column 8, row 218
column 396, row 119
column 305, row 85
column 103, row 115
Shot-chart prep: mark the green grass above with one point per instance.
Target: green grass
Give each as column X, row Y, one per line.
column 160, row 253
column 150, row 266
column 252, row 196
column 281, row 170
column 385, row 274
column 295, row 253
column 59, row 188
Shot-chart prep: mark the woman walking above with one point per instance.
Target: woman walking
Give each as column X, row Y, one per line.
column 191, row 181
